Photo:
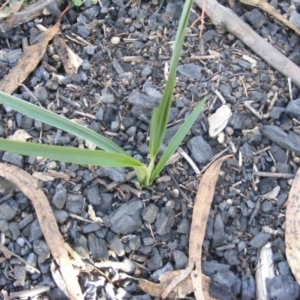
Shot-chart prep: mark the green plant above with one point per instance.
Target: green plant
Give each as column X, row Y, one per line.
column 113, row 155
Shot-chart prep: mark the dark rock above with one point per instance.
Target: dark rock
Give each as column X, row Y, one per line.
column 283, row 288
column 284, row 268
column 93, row 195
column 74, row 203
column 289, row 141
column 61, row 216
column 278, row 153
column 126, row 219
column 222, row 284
column 115, row 174
column 164, row 221
column 91, row 227
column 115, row 243
column 190, row 70
column 7, row 211
column 255, row 18
column 184, row 226
column 27, row 123
column 97, row 247
column 293, row 109
column 231, row 257
column 154, row 263
column 276, row 112
column 174, row 9
column 180, row 259
column 81, row 246
column 14, row 230
column 260, row 240
column 19, row 274
column 219, row 236
column 201, row 151
column 134, row 242
column 3, row 225
column 41, row 94
column 149, row 213
column 60, row 197
column 14, row 159
column 41, row 249
column 248, row 288
column 209, row 268
column 239, row 120
column 35, row 231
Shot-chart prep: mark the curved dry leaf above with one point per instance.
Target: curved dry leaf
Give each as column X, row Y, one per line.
column 202, row 205
column 20, row 135
column 29, row 186
column 218, row 121
column 292, row 229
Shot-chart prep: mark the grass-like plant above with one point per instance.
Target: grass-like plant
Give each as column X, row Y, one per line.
column 111, row 154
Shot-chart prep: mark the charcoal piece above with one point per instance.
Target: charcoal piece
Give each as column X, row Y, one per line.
column 174, row 9
column 106, row 203
column 14, row 230
column 115, row 174
column 248, row 288
column 201, row 151
column 3, row 225
column 61, row 216
column 293, row 109
column 56, row 293
column 260, row 240
column 154, row 263
column 60, row 197
column 231, row 257
column 93, row 195
column 35, row 231
column 142, row 104
column 147, row 71
column 14, row 159
column 81, row 246
column 149, row 213
column 295, row 18
column 219, row 236
column 27, row 123
column 91, row 227
column 184, row 226
column 41, row 94
column 240, row 120
column 97, row 247
column 28, row 219
column 164, row 221
column 278, row 153
column 265, row 185
column 134, row 242
column 115, row 243
column 209, row 35
column 126, row 219
column 276, row 112
column 286, row 123
column 221, row 285
column 74, row 203
column 284, row 268
column 209, row 268
column 190, row 70
column 283, row 288
column 255, row 18
column 180, row 259
column 41, row 249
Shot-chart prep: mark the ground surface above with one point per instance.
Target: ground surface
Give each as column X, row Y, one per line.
column 124, row 48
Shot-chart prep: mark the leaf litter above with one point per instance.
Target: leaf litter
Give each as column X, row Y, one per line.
column 30, row 188
column 179, row 283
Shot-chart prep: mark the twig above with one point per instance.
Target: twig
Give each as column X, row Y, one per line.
column 274, row 175
column 189, row 160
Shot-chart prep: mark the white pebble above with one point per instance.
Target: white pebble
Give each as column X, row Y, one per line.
column 115, row 40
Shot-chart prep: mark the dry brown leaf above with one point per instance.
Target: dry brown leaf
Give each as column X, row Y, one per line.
column 20, row 135
column 29, row 186
column 70, row 60
column 13, row 7
column 156, row 289
column 202, row 205
column 292, row 227
column 30, row 59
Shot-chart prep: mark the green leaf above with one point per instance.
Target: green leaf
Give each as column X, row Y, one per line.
column 57, row 121
column 158, row 128
column 77, row 2
column 177, row 139
column 71, row 155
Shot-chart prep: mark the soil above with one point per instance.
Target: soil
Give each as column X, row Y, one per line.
column 125, row 48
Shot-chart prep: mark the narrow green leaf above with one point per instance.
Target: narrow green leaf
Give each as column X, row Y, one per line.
column 158, row 130
column 177, row 139
column 152, row 133
column 57, row 121
column 71, row 155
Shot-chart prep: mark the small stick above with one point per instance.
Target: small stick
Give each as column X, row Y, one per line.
column 290, row 88
column 274, row 175
column 220, row 97
column 189, row 160
column 252, row 110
